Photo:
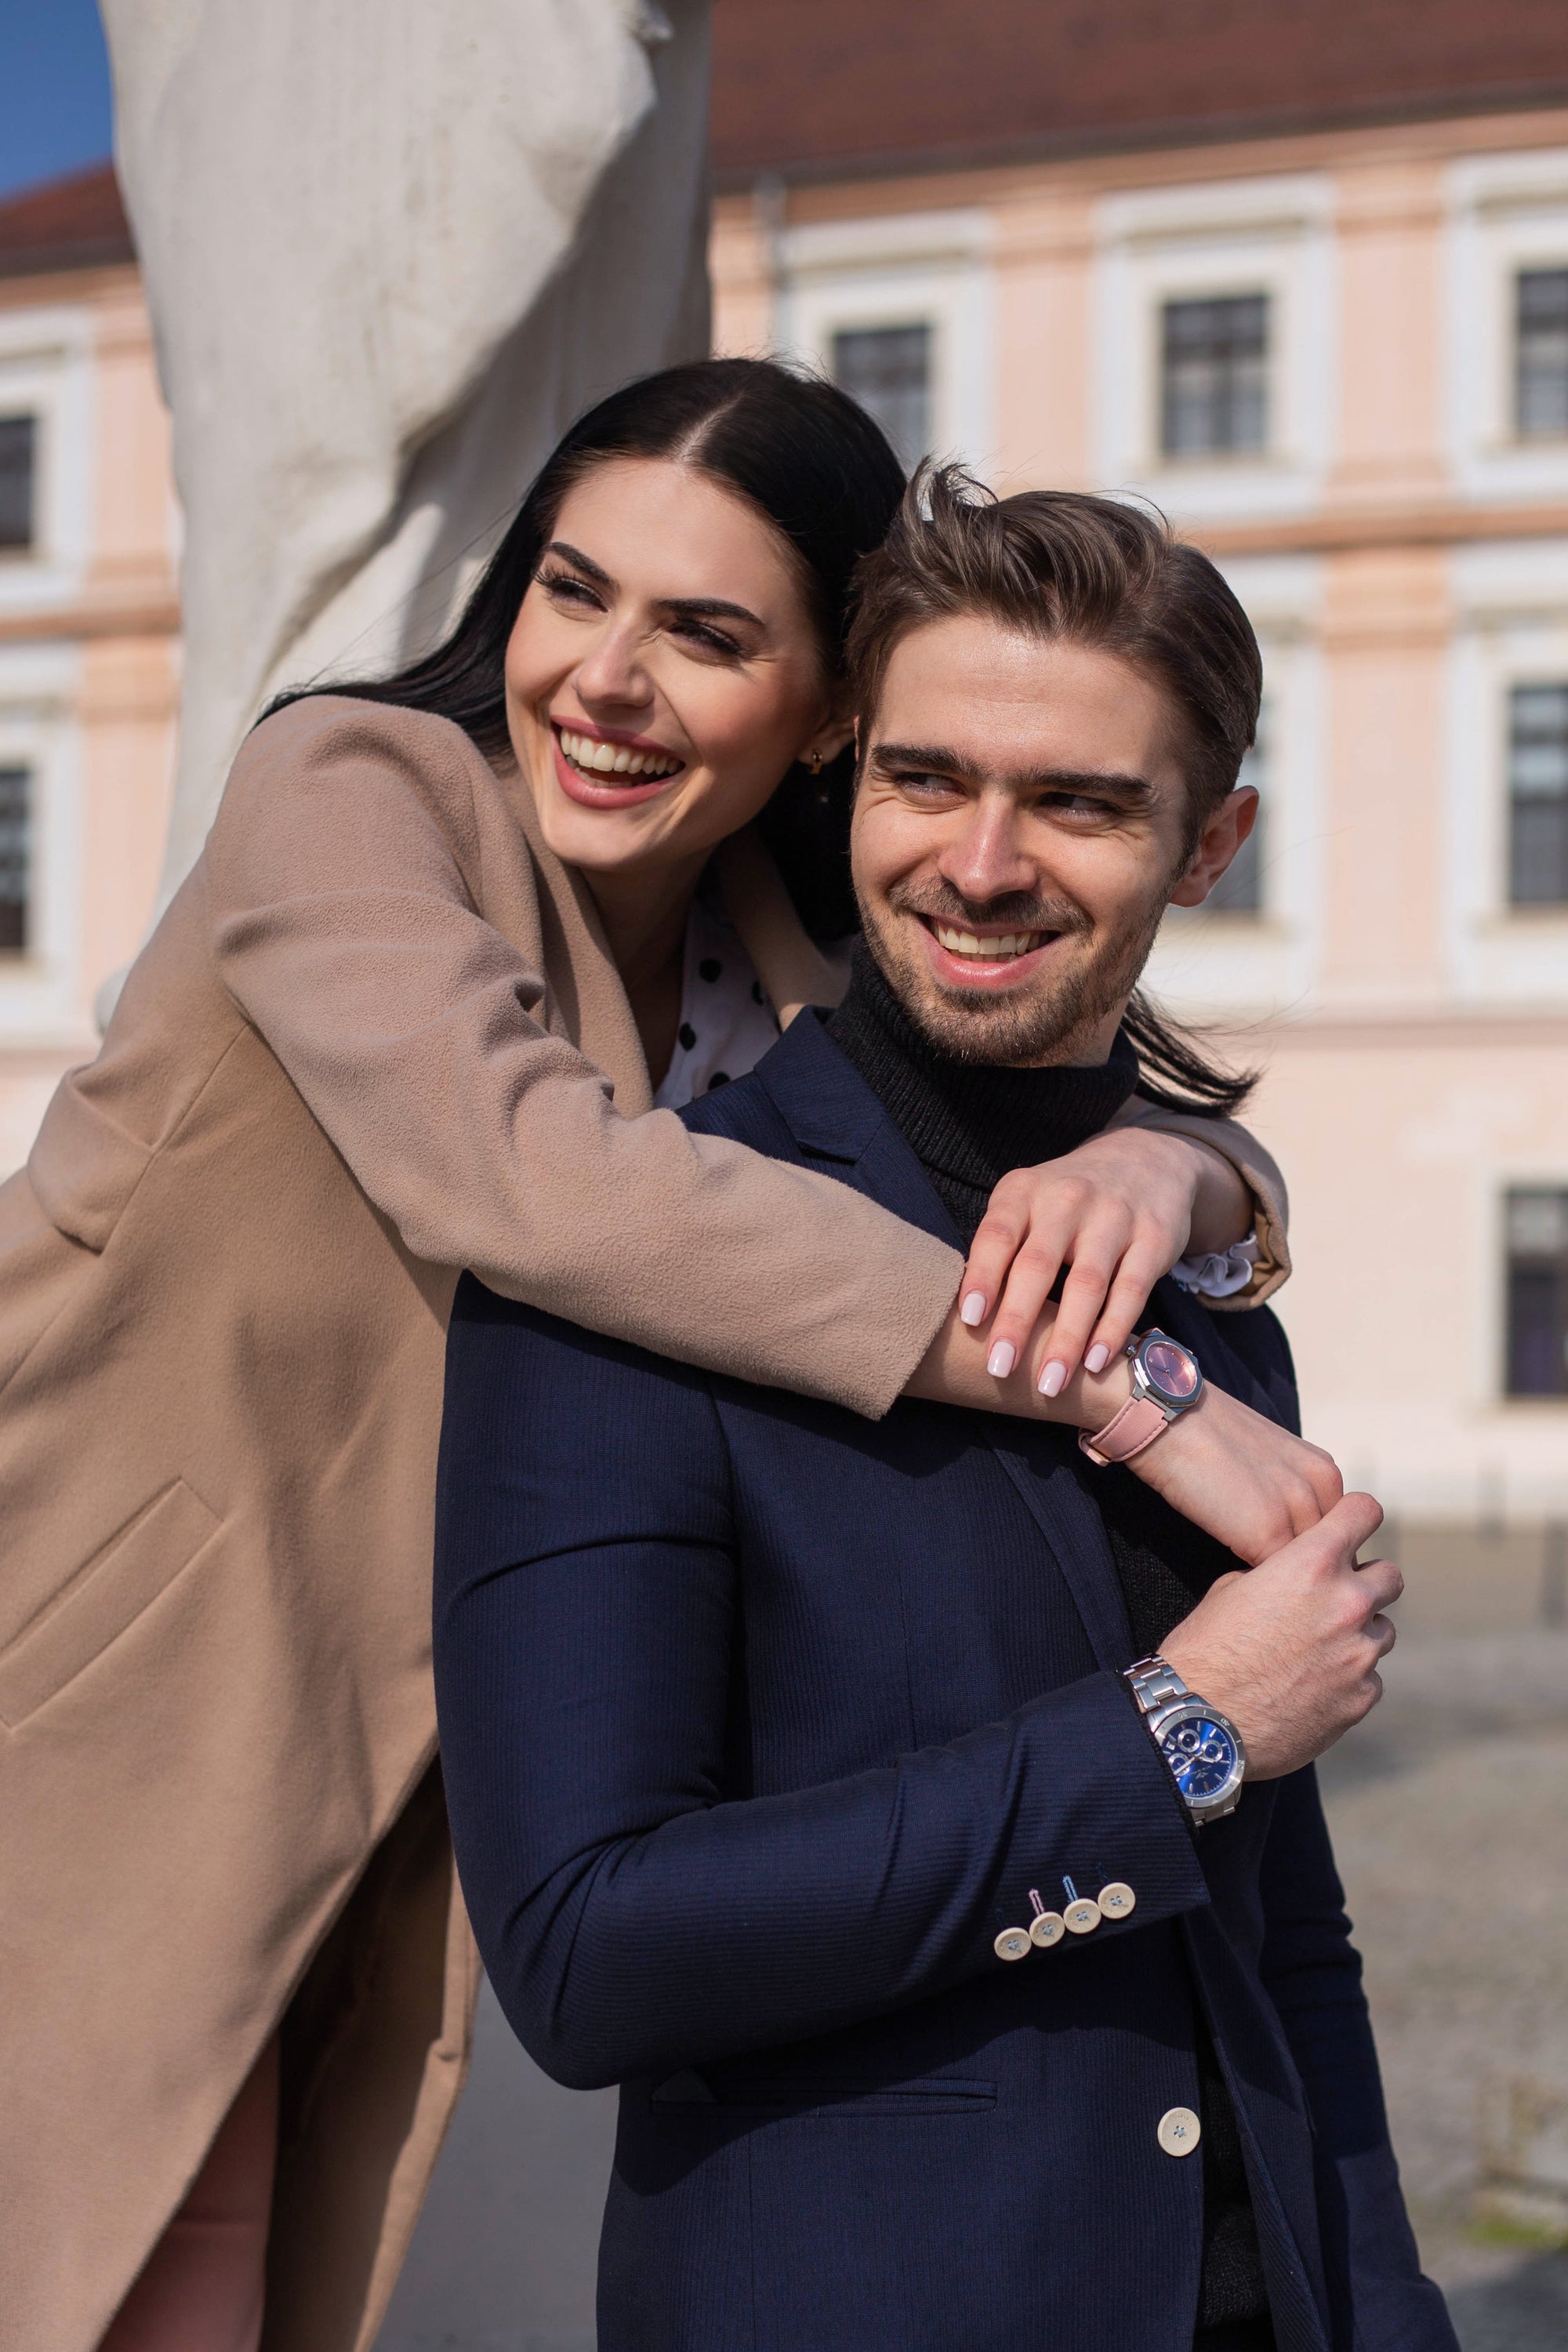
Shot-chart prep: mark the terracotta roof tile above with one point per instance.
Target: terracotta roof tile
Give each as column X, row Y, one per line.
column 819, row 86
column 72, row 223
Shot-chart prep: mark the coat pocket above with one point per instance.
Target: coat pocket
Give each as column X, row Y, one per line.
column 103, row 1599
column 736, row 2093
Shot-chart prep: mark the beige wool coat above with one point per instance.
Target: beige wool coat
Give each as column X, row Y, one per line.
column 374, row 1040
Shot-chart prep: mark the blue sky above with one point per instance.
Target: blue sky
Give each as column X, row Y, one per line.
column 54, row 90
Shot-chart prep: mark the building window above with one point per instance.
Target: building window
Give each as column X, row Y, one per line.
column 887, row 371
column 18, row 438
column 1214, row 376
column 16, row 856
column 1239, row 890
column 1541, row 347
column 1538, row 1293
column 1537, row 796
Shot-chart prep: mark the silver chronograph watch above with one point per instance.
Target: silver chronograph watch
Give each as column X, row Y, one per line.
column 1203, row 1747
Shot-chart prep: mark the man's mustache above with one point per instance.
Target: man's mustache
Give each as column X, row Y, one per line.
column 1016, row 911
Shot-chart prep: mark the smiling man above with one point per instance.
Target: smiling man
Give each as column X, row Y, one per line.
column 917, row 1819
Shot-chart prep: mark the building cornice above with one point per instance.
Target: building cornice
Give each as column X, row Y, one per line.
column 1446, row 522
column 141, row 614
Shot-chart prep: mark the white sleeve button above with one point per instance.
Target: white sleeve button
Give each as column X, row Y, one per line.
column 1117, row 1899
column 1047, row 1928
column 1178, row 2131
column 1013, row 1944
column 1080, row 1918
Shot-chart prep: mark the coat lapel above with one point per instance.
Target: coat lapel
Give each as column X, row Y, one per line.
column 839, row 1122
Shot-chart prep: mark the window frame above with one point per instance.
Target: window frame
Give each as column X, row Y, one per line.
column 922, row 326
column 13, row 550
column 40, row 730
column 1214, row 452
column 47, row 371
column 1511, row 1261
column 1510, row 628
column 1522, row 271
column 1515, row 904
column 1269, row 236
column 1213, row 962
column 900, row 270
column 1507, row 215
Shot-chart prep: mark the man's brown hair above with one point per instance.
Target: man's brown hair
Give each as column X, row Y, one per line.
column 1056, row 563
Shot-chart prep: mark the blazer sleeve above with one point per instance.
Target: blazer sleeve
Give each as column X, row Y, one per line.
column 1259, row 1171
column 635, row 1916
column 1312, row 1973
column 343, row 880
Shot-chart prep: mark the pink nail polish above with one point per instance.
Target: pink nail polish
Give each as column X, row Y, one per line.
column 1097, row 1358
column 1000, row 1359
column 1054, row 1379
column 973, row 1310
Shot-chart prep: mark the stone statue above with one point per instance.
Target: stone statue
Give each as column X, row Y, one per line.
column 391, row 249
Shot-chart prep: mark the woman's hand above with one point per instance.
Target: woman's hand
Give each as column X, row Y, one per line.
column 1117, row 1214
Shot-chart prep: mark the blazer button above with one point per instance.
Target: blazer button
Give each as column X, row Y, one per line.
column 1013, row 1944
column 1117, row 1899
column 1178, row 2131
column 1082, row 1918
column 1047, row 1928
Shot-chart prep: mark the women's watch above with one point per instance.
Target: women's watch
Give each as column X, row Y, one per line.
column 1166, row 1382
column 1201, row 1747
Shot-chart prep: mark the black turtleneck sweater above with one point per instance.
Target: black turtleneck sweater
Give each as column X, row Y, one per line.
column 968, row 1123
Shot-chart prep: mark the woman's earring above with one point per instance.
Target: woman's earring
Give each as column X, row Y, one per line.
column 814, row 762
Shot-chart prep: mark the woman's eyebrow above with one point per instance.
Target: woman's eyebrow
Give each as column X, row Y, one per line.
column 583, row 562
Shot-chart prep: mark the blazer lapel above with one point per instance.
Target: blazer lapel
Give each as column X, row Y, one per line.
column 1076, row 1536
column 836, row 1118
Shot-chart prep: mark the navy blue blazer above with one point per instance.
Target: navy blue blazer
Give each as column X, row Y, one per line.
column 759, row 1722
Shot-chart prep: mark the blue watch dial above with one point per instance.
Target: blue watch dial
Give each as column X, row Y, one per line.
column 1202, row 1754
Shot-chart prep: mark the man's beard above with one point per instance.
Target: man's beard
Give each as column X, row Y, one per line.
column 1051, row 1018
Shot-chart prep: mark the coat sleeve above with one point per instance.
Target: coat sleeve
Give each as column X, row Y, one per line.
column 343, row 881
column 1257, row 1170
column 1312, row 1973
column 634, row 1915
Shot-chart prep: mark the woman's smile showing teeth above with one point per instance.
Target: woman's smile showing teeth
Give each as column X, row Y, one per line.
column 591, row 756
column 602, row 771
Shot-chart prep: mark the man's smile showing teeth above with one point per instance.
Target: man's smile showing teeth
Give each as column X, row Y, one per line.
column 1000, row 950
column 592, row 758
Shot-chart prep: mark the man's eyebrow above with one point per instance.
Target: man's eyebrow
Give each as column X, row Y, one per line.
column 711, row 608
column 934, row 757
column 583, row 562
column 942, row 760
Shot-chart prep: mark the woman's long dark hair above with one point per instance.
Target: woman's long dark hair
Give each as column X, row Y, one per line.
column 801, row 452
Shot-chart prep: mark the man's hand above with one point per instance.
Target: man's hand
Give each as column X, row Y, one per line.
column 1240, row 1476
column 1291, row 1651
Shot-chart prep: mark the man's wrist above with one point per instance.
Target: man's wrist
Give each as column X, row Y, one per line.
column 1167, row 1383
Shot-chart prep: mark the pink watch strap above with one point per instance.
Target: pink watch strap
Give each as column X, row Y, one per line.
column 1140, row 1422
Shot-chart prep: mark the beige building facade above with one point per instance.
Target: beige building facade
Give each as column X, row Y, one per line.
column 88, row 632
column 1339, row 360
